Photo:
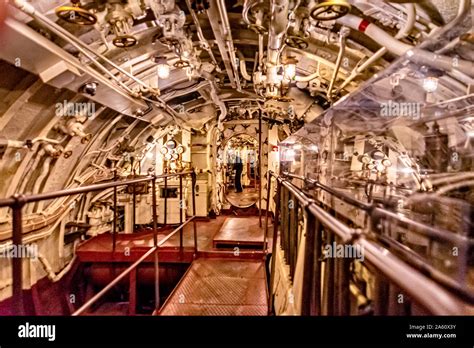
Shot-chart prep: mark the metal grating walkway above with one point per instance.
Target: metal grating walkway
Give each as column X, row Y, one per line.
column 220, row 287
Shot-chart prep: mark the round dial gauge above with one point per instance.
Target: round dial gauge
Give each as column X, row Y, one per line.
column 171, row 144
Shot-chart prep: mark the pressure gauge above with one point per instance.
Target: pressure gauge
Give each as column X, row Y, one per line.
column 380, row 167
column 175, row 156
column 168, row 156
column 378, row 155
column 163, row 150
column 171, row 144
column 386, row 162
column 365, row 159
column 180, row 149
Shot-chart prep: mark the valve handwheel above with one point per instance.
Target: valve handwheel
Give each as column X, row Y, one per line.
column 259, row 29
column 330, row 10
column 75, row 14
column 124, row 41
column 181, row 64
column 296, row 42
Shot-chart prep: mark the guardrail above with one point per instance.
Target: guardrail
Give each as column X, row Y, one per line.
column 18, row 201
column 326, row 281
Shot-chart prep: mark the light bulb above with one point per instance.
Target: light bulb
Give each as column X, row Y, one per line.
column 163, row 71
column 430, row 84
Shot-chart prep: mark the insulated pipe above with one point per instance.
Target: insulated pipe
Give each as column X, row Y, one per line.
column 375, row 33
column 416, row 55
column 83, row 48
column 403, row 32
column 243, row 68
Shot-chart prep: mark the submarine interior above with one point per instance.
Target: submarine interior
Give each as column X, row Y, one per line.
column 238, row 158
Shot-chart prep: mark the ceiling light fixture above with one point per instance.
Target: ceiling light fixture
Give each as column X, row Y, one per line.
column 430, row 84
column 162, row 67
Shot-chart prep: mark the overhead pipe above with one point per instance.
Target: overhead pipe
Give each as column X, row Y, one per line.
column 398, row 48
column 64, row 34
column 86, row 50
column 200, row 34
column 402, row 33
column 229, row 41
column 243, row 68
column 215, row 97
column 307, row 78
column 278, row 27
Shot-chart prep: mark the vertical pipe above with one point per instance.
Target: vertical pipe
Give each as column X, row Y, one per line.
column 381, row 293
column 269, row 180
column 132, row 304
column 284, row 219
column 316, row 289
column 114, row 225
column 134, row 199
column 165, row 218
column 155, row 217
column 155, row 243
column 344, row 290
column 114, row 228
column 17, row 262
column 274, row 246
column 193, row 182
column 308, row 270
column 330, row 274
column 289, row 233
column 260, row 167
column 181, row 207
column 343, row 33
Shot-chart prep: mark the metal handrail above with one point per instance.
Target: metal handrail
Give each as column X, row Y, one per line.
column 426, row 292
column 463, row 243
column 17, row 201
column 376, row 211
column 122, row 275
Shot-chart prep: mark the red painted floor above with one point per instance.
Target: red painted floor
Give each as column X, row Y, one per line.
column 129, row 247
column 238, row 231
column 221, row 280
